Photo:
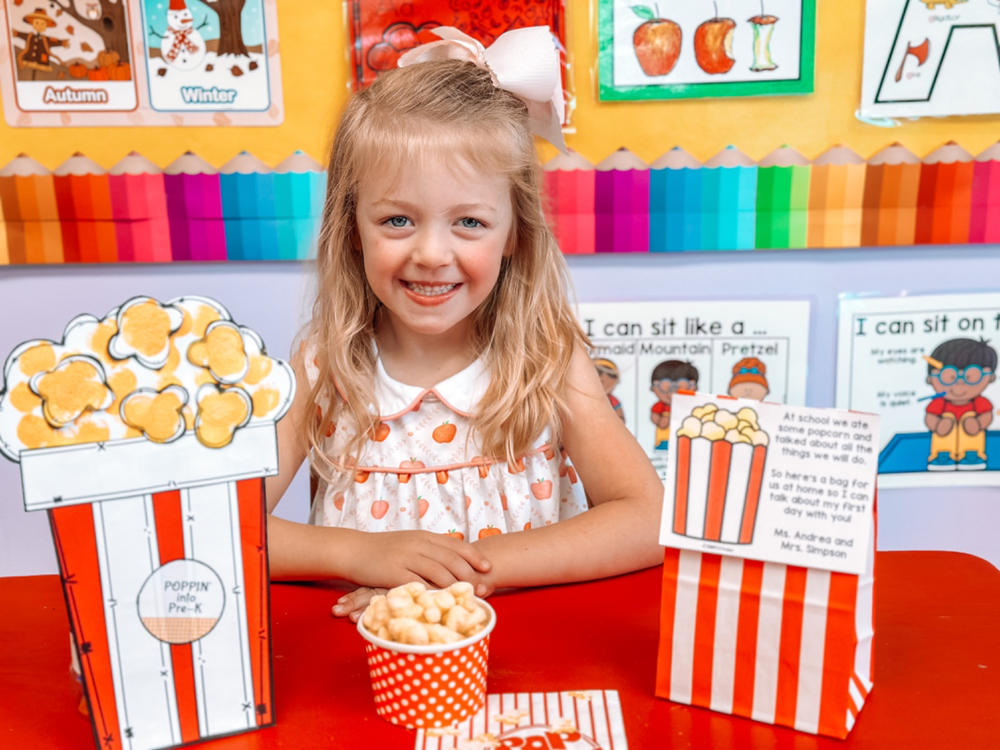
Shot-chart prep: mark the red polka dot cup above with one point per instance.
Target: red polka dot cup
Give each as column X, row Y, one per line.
column 429, row 686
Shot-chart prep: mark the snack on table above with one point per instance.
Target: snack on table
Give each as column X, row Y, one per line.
column 412, row 614
column 427, row 652
column 720, row 470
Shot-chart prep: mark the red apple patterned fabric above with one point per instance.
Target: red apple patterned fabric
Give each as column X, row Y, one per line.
column 423, row 468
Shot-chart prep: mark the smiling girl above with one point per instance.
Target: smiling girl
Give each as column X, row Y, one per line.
column 452, row 411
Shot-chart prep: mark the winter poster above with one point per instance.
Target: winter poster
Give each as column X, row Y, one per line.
column 69, row 55
column 140, row 62
column 645, row 352
column 928, row 365
column 206, row 56
column 709, row 48
column 766, row 481
column 931, row 57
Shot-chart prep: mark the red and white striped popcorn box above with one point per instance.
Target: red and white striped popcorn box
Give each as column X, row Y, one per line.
column 159, row 524
column 776, row 643
column 718, row 489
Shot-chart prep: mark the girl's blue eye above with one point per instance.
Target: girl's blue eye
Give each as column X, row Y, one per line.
column 397, row 222
column 469, row 223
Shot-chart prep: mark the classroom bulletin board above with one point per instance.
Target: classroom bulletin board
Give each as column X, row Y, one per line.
column 313, row 39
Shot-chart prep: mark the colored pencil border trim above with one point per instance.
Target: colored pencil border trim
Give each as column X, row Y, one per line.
column 247, row 211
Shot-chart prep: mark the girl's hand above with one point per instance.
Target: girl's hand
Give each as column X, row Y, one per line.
column 391, row 558
column 353, row 604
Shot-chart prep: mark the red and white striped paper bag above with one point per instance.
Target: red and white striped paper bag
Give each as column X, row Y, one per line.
column 768, row 523
column 776, row 643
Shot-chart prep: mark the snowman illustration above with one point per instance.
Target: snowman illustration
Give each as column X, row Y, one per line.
column 181, row 46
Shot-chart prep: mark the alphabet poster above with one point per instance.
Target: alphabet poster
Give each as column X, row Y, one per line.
column 645, row 352
column 931, row 57
column 767, row 481
column 727, row 48
column 928, row 365
column 140, row 62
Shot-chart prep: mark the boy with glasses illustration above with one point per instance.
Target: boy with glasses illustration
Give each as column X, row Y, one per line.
column 959, row 370
column 666, row 379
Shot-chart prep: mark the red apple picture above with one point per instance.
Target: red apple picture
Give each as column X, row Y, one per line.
column 713, row 45
column 657, row 42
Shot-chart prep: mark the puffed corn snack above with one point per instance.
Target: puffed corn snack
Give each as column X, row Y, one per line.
column 414, row 615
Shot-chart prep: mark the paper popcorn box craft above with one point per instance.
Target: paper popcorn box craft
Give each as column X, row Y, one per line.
column 746, row 632
column 146, row 436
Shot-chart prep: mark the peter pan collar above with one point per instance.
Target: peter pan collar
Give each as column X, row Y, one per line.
column 460, row 393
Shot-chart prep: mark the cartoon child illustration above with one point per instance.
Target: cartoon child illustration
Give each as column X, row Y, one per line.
column 668, row 377
column 36, row 55
column 957, row 416
column 749, row 379
column 607, row 373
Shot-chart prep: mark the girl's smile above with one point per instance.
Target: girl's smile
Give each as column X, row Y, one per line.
column 429, row 294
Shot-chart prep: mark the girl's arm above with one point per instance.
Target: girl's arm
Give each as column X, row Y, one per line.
column 620, row 533
column 303, row 551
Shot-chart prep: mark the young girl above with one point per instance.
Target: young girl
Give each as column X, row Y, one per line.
column 443, row 380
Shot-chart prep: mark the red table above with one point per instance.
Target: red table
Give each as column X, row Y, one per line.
column 937, row 664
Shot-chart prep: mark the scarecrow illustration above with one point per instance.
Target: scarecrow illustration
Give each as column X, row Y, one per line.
column 36, row 54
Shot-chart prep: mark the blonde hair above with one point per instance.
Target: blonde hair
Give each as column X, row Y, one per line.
column 525, row 329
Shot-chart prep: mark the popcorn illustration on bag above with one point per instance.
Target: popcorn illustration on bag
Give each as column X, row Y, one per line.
column 720, row 470
column 146, row 434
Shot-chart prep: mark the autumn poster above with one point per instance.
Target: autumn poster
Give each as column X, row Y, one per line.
column 148, row 62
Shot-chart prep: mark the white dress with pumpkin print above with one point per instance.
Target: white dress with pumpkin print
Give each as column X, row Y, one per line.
column 423, row 468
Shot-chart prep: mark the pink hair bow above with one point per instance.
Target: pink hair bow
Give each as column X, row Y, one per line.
column 523, row 61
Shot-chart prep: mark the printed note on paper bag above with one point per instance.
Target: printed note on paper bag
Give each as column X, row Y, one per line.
column 771, row 482
column 146, row 434
column 768, row 523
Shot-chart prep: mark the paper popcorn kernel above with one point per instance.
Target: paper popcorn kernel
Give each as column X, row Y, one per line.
column 75, row 385
column 220, row 414
column 144, row 329
column 37, row 359
column 221, row 352
column 158, row 415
